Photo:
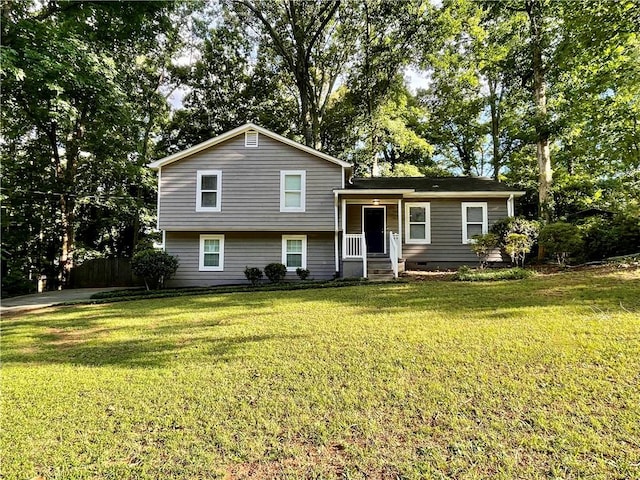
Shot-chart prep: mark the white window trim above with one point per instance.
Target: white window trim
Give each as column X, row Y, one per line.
column 485, row 220
column 427, row 223
column 248, row 143
column 303, row 190
column 304, row 250
column 204, row 173
column 220, row 267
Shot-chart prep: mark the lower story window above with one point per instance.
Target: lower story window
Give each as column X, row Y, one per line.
column 294, row 252
column 211, row 253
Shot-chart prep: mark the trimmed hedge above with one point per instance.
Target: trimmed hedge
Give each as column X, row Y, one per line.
column 468, row 275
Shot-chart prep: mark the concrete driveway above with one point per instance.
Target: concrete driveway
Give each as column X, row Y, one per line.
column 48, row 299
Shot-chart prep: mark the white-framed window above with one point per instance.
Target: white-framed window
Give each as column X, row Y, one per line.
column 417, row 221
column 292, row 190
column 251, row 139
column 211, row 253
column 474, row 220
column 294, row 252
column 209, row 191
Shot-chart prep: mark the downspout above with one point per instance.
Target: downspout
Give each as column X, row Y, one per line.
column 158, row 206
column 164, row 233
column 335, row 224
column 511, row 207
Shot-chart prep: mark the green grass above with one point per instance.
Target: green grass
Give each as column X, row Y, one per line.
column 531, row 379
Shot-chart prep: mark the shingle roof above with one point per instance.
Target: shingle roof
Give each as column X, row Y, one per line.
column 424, row 184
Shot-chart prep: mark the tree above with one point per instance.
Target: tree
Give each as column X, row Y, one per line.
column 65, row 82
column 304, row 36
column 536, row 12
column 386, row 33
column 227, row 87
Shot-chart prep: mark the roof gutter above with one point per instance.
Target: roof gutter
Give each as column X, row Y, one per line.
column 374, row 191
column 465, row 194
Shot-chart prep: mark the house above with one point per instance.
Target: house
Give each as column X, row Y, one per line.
column 250, row 197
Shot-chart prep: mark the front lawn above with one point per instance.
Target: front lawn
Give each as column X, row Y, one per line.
column 535, row 378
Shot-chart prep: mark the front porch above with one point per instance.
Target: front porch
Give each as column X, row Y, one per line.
column 371, row 237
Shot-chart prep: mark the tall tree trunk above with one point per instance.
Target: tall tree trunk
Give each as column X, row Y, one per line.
column 495, row 127
column 543, row 156
column 67, row 206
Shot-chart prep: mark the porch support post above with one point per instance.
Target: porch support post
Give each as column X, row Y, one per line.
column 344, row 226
column 399, row 228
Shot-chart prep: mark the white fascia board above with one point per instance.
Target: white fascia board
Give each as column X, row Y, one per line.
column 377, row 191
column 464, row 194
column 237, row 131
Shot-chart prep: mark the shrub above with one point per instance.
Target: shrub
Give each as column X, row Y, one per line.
column 275, row 272
column 16, row 283
column 605, row 238
column 520, row 226
column 465, row 274
column 483, row 245
column 517, row 246
column 562, row 239
column 253, row 274
column 155, row 266
column 303, row 273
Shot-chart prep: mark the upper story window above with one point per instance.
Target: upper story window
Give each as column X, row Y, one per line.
column 292, row 190
column 474, row 220
column 251, row 139
column 209, row 191
column 294, row 252
column 211, row 253
column 417, row 222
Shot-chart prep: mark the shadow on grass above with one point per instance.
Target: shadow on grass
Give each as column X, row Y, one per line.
column 508, row 298
column 93, row 347
column 155, row 333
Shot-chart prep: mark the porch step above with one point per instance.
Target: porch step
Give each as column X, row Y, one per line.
column 379, row 269
column 381, row 277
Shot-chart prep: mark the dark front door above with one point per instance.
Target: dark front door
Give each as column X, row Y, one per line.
column 374, row 229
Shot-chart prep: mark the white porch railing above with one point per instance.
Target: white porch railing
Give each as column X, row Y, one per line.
column 393, row 252
column 355, row 246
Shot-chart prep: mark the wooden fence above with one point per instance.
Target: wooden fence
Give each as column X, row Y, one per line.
column 104, row 272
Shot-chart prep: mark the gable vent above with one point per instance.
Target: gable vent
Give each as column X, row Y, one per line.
column 251, row 139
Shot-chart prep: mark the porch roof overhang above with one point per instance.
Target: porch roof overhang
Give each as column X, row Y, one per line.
column 412, row 193
column 426, row 187
column 471, row 194
column 375, row 191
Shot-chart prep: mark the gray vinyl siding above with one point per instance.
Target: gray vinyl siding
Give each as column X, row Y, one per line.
column 354, row 219
column 246, row 249
column 446, row 248
column 250, row 189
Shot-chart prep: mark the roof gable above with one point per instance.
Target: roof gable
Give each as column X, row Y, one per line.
column 237, row 131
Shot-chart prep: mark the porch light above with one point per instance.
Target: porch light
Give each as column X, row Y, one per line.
column 376, row 202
